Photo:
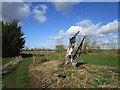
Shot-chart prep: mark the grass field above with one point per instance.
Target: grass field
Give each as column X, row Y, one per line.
column 105, row 60
column 19, row 75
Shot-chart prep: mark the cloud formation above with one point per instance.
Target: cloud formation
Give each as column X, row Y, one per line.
column 61, row 35
column 15, row 10
column 111, row 27
column 39, row 13
column 86, row 27
column 103, row 35
column 64, row 7
column 21, row 10
column 84, row 23
column 114, row 36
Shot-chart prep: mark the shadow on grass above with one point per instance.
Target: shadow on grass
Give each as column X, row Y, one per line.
column 26, row 55
column 80, row 63
column 62, row 76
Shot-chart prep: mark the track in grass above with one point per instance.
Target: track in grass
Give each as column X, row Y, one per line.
column 19, row 76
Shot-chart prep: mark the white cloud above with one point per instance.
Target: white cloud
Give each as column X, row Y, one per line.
column 111, row 27
column 103, row 42
column 114, row 36
column 103, row 35
column 15, row 10
column 64, row 7
column 86, row 27
column 39, row 13
column 61, row 35
column 84, row 23
column 55, row 38
column 21, row 10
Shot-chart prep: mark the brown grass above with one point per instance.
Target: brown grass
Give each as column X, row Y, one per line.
column 50, row 75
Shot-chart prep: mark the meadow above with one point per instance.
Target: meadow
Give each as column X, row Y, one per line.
column 99, row 67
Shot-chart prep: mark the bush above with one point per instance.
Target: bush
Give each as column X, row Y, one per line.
column 12, row 39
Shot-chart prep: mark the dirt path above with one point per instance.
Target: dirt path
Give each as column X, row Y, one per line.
column 40, row 73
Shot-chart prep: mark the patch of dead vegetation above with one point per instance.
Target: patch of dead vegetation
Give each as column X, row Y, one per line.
column 50, row 75
column 5, row 68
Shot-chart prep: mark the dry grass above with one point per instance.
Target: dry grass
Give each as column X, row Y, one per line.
column 50, row 75
column 11, row 63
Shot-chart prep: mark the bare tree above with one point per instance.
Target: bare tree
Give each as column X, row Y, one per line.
column 90, row 46
column 59, row 47
column 113, row 46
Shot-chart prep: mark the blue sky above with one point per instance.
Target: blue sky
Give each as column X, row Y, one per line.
column 44, row 23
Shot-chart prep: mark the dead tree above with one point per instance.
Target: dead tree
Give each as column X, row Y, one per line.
column 78, row 52
column 73, row 58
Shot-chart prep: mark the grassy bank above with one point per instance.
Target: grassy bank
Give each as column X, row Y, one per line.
column 18, row 76
column 6, row 60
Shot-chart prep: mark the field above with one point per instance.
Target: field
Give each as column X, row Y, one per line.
column 95, row 71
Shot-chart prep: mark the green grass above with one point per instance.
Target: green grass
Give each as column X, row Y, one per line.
column 49, row 55
column 89, row 59
column 19, row 76
column 53, row 55
column 6, row 60
column 100, row 60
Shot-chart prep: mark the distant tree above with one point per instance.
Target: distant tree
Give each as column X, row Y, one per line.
column 86, row 44
column 94, row 47
column 113, row 46
column 89, row 46
column 12, row 39
column 59, row 48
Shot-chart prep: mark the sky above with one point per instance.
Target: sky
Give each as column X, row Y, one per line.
column 46, row 23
